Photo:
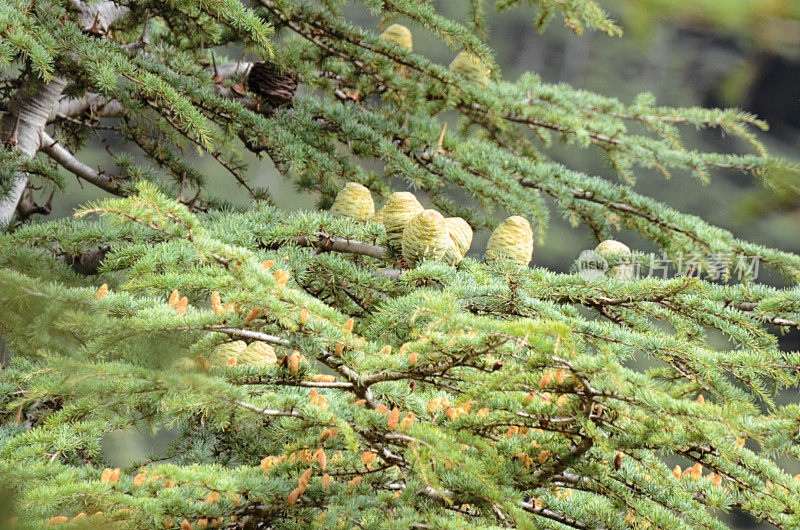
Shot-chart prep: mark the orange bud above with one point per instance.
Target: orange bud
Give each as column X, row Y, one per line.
column 304, row 478
column 294, row 362
column 321, row 378
column 107, row 475
column 202, row 523
column 543, row 456
column 186, row 525
column 359, row 402
column 567, row 493
column 701, row 400
column 524, row 459
column 381, row 409
column 168, row 522
column 339, row 348
column 512, row 431
column 216, row 303
column 716, row 480
column 412, row 358
column 546, row 379
column 101, row 292
column 214, row 496
column 267, row 264
column 266, row 463
column 559, row 376
column 321, row 459
column 483, row 412
column 294, row 495
column 386, row 350
column 182, row 305
column 57, row 520
column 740, row 442
column 348, row 326
column 80, row 516
column 562, row 400
column 139, row 479
column 281, row 277
column 353, row 483
column 326, row 481
column 252, row 315
column 304, row 315
column 696, row 472
column 677, row 472
column 407, row 421
column 368, row 457
column 327, row 433
column 174, row 298
column 394, row 418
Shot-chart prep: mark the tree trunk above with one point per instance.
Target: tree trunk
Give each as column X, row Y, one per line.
column 22, row 127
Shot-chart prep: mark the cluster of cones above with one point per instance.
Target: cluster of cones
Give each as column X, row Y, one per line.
column 466, row 64
column 426, row 234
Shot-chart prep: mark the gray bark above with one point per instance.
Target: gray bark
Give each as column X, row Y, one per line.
column 22, row 127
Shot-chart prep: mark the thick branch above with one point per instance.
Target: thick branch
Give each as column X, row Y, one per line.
column 68, row 161
column 98, row 18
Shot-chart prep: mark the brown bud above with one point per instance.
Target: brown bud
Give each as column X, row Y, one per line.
column 216, row 303
column 394, row 418
column 252, row 315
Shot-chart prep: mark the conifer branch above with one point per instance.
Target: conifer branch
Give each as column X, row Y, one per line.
column 69, row 162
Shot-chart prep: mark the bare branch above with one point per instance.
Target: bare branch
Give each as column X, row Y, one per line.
column 68, row 161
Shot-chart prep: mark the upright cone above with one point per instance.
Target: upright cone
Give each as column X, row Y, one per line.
column 470, row 66
column 511, row 241
column 354, row 201
column 258, row 353
column 401, row 207
column 619, row 257
column 425, row 237
column 460, row 233
column 400, row 35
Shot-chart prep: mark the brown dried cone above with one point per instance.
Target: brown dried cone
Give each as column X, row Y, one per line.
column 425, row 237
column 271, row 85
column 401, row 207
column 619, row 256
column 354, row 201
column 460, row 233
column 512, row 241
column 227, row 354
column 400, row 35
column 470, row 66
column 258, row 353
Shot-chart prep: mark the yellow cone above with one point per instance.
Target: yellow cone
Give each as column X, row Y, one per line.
column 354, row 201
column 471, row 67
column 425, row 237
column 621, row 256
column 511, row 241
column 401, row 207
column 378, row 217
column 400, row 35
column 460, row 233
column 258, row 353
column 227, row 354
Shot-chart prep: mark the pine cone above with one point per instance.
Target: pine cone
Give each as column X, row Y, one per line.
column 471, row 67
column 258, row 353
column 619, row 256
column 227, row 354
column 354, row 201
column 460, row 233
column 425, row 237
column 400, row 35
column 512, row 240
column 401, row 207
column 271, row 85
